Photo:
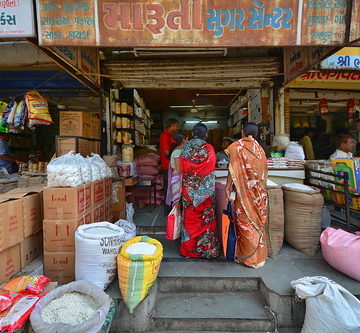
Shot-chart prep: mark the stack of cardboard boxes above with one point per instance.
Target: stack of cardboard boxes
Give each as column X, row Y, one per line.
column 65, row 209
column 21, row 216
column 80, row 132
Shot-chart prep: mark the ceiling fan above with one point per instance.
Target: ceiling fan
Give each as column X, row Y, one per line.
column 193, row 108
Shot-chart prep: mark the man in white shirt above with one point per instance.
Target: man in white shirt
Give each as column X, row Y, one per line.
column 345, row 147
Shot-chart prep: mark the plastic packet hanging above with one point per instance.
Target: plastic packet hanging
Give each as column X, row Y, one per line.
column 14, row 318
column 38, row 110
column 27, row 284
column 5, row 113
column 20, row 115
column 64, row 171
column 10, row 119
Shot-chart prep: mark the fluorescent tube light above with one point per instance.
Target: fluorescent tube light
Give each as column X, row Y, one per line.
column 202, row 122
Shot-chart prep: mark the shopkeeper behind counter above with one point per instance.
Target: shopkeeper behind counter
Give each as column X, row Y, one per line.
column 7, row 160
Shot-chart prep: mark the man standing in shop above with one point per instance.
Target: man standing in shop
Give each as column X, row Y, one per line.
column 307, row 144
column 166, row 142
column 345, row 147
column 7, row 161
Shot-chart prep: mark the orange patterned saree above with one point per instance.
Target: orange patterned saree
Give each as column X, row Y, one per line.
column 248, row 170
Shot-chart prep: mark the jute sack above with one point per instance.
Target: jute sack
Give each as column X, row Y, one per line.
column 275, row 222
column 303, row 211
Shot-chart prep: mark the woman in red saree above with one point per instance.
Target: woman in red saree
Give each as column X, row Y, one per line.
column 248, row 176
column 199, row 232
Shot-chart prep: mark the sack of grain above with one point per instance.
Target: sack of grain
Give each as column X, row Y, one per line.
column 275, row 222
column 303, row 210
column 79, row 302
column 96, row 248
column 138, row 265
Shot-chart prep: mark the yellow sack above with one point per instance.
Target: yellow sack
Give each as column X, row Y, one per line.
column 138, row 272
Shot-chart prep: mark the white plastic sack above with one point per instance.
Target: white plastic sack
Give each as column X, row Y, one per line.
column 95, row 169
column 96, row 248
column 85, row 168
column 64, row 171
column 329, row 306
column 129, row 229
column 105, row 170
column 295, row 150
column 92, row 325
column 130, row 212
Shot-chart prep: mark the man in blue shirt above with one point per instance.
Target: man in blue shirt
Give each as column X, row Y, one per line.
column 7, row 161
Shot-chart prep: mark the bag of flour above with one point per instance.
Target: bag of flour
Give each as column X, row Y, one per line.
column 96, row 248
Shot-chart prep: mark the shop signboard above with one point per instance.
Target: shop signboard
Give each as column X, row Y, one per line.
column 329, row 80
column 17, row 19
column 70, row 54
column 194, row 23
column 299, row 59
column 347, row 58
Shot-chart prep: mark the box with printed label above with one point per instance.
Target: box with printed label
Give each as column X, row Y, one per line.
column 59, row 235
column 66, row 202
column 98, row 213
column 32, row 211
column 95, row 132
column 75, row 123
column 108, row 187
column 10, row 263
column 108, row 210
column 60, row 266
column 78, row 145
column 351, row 167
column 11, row 223
column 97, row 192
column 30, row 249
column 119, row 200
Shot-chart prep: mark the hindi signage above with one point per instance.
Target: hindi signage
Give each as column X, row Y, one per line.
column 193, row 23
column 17, row 19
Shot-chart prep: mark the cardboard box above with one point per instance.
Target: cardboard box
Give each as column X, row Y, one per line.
column 108, row 188
column 66, row 202
column 32, row 209
column 75, row 123
column 95, row 132
column 95, row 146
column 78, row 145
column 97, row 192
column 111, row 160
column 11, row 223
column 118, row 215
column 60, row 266
column 108, row 210
column 131, row 181
column 98, row 213
column 30, row 249
column 59, row 235
column 351, row 166
column 10, row 263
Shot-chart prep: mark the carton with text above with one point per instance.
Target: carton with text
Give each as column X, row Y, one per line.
column 30, row 249
column 60, row 266
column 97, row 192
column 10, row 263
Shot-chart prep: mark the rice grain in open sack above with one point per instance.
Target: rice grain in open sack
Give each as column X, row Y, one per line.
column 138, row 272
column 303, row 211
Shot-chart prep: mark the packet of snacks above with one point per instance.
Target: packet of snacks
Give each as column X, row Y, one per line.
column 38, row 110
column 27, row 284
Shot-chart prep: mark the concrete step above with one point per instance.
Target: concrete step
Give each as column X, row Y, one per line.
column 207, row 284
column 219, row 312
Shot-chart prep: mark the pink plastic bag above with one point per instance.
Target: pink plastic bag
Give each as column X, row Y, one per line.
column 173, row 225
column 341, row 250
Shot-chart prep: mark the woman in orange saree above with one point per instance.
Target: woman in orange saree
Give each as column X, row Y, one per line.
column 248, row 176
column 199, row 231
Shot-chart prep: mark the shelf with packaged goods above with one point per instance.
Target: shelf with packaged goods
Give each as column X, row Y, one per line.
column 130, row 130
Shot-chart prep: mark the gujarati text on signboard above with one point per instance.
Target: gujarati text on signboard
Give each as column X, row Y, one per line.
column 17, row 19
column 193, row 23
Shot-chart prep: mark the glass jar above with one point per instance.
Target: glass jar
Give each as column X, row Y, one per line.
column 128, row 153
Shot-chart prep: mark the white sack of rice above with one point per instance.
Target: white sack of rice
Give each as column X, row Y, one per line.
column 141, row 248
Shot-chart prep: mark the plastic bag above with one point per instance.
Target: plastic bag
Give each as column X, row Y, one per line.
column 137, row 272
column 92, row 325
column 96, row 248
column 294, row 150
column 64, row 171
column 20, row 115
column 95, row 169
column 329, row 306
column 128, row 227
column 6, row 300
column 130, row 213
column 10, row 119
column 38, row 110
column 15, row 317
column 6, row 112
column 85, row 168
column 30, row 284
column 104, row 168
column 173, row 225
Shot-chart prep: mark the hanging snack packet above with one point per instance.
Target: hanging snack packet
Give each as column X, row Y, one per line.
column 38, row 110
column 14, row 318
column 20, row 115
column 6, row 300
column 27, row 284
column 5, row 113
